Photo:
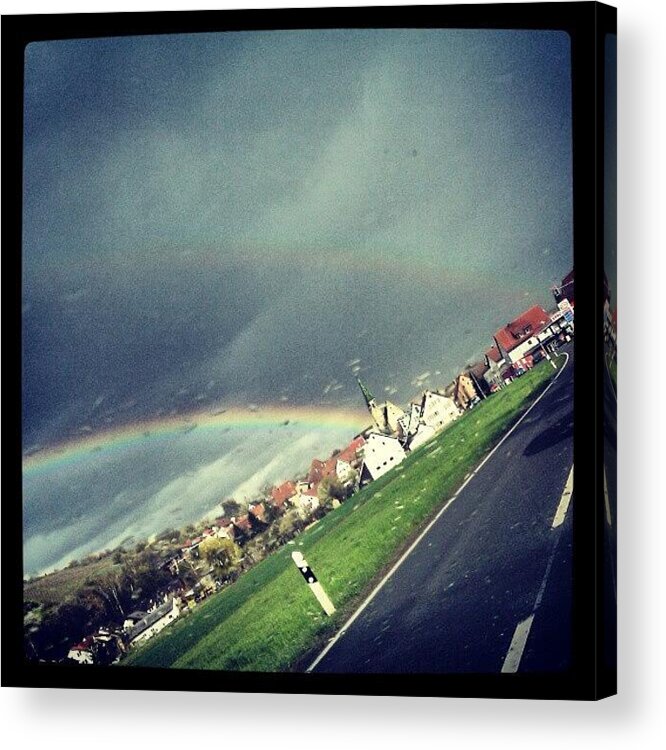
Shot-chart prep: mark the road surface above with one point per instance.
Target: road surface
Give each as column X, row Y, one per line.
column 488, row 587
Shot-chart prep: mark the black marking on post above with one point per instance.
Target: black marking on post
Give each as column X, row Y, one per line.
column 307, row 573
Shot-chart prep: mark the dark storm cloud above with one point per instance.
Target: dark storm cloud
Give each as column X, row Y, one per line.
column 167, row 177
column 234, row 218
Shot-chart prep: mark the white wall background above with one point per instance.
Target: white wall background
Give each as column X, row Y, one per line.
column 636, row 718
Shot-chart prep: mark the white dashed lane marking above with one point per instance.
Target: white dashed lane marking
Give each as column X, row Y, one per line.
column 565, row 500
column 520, row 635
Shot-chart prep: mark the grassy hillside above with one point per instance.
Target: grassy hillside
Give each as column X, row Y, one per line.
column 61, row 585
column 269, row 619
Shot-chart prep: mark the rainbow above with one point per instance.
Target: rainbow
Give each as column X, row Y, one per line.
column 126, row 436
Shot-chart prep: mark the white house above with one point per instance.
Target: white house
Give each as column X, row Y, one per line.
column 410, row 422
column 83, row 653
column 307, row 500
column 380, row 454
column 437, row 411
column 422, row 435
column 154, row 622
column 344, row 471
column 132, row 619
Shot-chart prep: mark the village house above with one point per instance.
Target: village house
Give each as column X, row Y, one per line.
column 380, row 454
column 224, row 528
column 155, row 621
column 280, row 495
column 495, row 365
column 257, row 516
column 521, row 336
column 83, row 652
column 437, row 411
column 307, row 500
column 243, row 528
column 342, row 465
column 318, row 470
column 409, row 424
column 565, row 290
column 132, row 619
column 103, row 647
column 350, row 453
column 477, row 372
column 344, row 472
column 191, row 547
column 464, row 391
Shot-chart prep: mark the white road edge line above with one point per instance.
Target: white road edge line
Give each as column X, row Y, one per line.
column 565, row 500
column 415, row 543
column 520, row 635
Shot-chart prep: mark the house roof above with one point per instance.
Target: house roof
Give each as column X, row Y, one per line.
column 477, row 369
column 258, row 511
column 493, row 354
column 281, row 494
column 320, row 469
column 527, row 324
column 349, row 453
column 150, row 619
column 138, row 615
column 243, row 523
column 85, row 645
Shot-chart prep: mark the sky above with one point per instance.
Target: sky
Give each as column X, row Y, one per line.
column 247, row 221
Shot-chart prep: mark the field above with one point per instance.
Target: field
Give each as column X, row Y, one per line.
column 59, row 586
column 269, row 621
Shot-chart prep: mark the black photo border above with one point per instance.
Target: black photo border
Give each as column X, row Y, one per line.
column 586, row 24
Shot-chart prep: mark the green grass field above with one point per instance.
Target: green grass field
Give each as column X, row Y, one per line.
column 268, row 620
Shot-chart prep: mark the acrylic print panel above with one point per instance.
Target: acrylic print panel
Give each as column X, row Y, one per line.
column 298, row 368
column 610, row 355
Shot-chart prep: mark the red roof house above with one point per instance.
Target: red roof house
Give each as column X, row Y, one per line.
column 493, row 354
column 349, row 453
column 244, row 525
column 318, row 470
column 520, row 330
column 258, row 512
column 280, row 495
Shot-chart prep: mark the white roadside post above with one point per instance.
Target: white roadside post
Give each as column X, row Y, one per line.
column 313, row 583
column 548, row 357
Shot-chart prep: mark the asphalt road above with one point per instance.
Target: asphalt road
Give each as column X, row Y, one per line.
column 489, row 585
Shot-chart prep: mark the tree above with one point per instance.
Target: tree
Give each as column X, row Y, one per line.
column 222, row 554
column 231, row 508
column 287, row 526
column 331, row 488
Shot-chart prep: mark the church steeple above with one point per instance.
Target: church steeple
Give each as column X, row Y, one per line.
column 369, row 398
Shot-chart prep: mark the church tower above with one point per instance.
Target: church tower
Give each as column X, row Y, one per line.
column 376, row 412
